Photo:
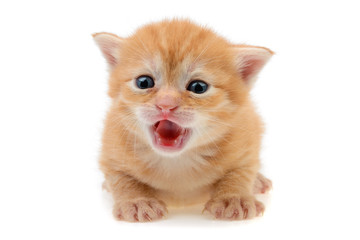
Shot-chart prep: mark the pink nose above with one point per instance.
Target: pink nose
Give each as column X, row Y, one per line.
column 167, row 100
column 166, row 107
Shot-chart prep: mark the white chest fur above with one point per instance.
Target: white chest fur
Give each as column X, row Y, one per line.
column 181, row 174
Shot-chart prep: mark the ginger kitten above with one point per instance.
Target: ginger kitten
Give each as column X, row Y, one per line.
column 181, row 128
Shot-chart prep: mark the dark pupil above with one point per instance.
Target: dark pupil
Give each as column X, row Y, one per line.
column 197, row 87
column 144, row 82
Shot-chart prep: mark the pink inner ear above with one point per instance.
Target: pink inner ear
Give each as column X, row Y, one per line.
column 107, row 51
column 251, row 67
column 109, row 45
column 250, row 61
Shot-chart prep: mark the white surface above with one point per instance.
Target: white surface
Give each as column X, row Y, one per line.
column 53, row 100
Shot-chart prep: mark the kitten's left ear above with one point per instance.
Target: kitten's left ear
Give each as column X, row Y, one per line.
column 110, row 46
column 250, row 60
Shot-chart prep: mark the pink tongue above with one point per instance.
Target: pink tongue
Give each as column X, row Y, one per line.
column 168, row 130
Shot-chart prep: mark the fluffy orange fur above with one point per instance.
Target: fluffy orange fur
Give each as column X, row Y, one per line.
column 220, row 162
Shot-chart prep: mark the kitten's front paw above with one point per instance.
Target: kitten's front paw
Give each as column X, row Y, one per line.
column 262, row 184
column 140, row 210
column 234, row 208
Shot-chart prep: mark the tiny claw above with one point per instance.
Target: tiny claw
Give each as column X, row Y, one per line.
column 147, row 217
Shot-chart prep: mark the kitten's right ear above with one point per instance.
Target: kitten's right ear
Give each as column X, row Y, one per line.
column 109, row 45
column 250, row 60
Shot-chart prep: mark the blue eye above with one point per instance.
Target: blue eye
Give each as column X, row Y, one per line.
column 144, row 82
column 197, row 87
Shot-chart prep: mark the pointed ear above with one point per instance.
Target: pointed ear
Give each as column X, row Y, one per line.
column 250, row 60
column 109, row 45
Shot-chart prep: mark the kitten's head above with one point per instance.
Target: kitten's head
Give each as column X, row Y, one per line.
column 178, row 85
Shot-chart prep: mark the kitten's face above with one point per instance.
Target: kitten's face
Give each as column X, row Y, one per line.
column 178, row 107
column 178, row 85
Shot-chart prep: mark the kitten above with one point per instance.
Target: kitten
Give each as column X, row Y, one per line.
column 181, row 128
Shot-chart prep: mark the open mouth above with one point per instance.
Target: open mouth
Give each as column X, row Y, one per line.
column 169, row 136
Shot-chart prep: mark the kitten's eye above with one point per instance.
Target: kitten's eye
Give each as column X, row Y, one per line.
column 144, row 82
column 197, row 86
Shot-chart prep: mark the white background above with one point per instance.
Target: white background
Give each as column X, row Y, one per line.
column 53, row 100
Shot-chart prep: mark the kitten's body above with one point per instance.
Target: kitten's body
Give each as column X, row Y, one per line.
column 219, row 161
